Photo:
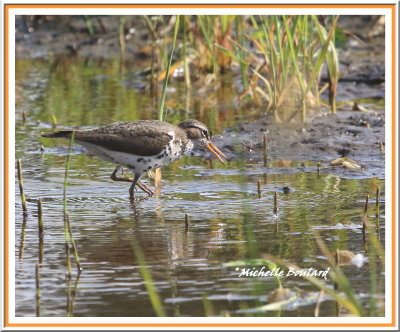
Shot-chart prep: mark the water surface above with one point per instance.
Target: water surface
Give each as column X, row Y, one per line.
column 227, row 220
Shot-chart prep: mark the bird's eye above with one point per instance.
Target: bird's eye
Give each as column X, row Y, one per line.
column 205, row 133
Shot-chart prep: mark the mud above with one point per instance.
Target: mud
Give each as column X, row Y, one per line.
column 354, row 134
column 52, row 36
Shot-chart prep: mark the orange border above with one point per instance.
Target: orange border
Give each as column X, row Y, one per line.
column 6, row 168
column 195, row 6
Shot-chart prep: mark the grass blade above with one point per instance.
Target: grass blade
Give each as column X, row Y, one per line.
column 148, row 281
column 161, row 113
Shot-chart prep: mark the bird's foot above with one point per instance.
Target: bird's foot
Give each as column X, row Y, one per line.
column 135, row 181
column 145, row 188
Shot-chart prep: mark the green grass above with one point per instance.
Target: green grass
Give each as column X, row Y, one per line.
column 155, row 299
column 161, row 109
column 69, row 239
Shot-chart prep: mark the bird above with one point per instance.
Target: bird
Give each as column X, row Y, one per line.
column 142, row 145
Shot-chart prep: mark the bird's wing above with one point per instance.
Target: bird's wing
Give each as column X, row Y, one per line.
column 137, row 137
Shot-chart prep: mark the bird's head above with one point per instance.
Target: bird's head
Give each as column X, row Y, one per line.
column 200, row 136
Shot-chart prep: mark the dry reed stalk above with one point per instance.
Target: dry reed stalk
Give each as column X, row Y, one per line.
column 21, row 188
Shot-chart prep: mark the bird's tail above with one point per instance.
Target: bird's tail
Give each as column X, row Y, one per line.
column 58, row 134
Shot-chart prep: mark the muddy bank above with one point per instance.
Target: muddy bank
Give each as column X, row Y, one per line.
column 297, row 147
column 354, row 134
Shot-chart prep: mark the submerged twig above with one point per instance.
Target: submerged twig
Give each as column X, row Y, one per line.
column 377, row 213
column 23, row 117
column 22, row 237
column 366, row 205
column 40, row 229
column 21, row 188
column 377, row 200
column 364, row 227
column 275, row 203
column 37, row 293
column 265, row 149
column 365, row 222
column 186, row 222
column 40, row 217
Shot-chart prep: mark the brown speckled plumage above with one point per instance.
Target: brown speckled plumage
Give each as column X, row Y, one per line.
column 142, row 145
column 127, row 137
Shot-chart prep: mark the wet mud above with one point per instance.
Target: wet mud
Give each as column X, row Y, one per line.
column 352, row 134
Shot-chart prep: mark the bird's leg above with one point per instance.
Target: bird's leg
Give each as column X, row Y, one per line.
column 114, row 177
column 134, row 182
column 140, row 184
column 145, row 188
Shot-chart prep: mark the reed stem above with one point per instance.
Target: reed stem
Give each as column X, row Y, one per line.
column 161, row 113
column 40, row 217
column 240, row 38
column 186, row 222
column 41, row 229
column 377, row 200
column 69, row 267
column 275, row 203
column 74, row 245
column 37, row 292
column 66, row 231
column 265, row 149
column 71, row 294
column 22, row 237
column 365, row 222
column 23, row 118
column 366, row 205
column 122, row 45
column 184, row 54
column 89, row 24
column 259, row 188
column 21, row 188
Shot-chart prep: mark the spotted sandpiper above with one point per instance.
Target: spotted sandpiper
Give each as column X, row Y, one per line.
column 142, row 145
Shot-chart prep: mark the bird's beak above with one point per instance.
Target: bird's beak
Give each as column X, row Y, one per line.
column 216, row 152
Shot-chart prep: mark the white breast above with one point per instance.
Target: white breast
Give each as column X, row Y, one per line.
column 141, row 164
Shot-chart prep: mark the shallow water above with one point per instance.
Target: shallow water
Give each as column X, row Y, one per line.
column 227, row 220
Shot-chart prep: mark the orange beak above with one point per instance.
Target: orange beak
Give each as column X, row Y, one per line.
column 216, row 152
